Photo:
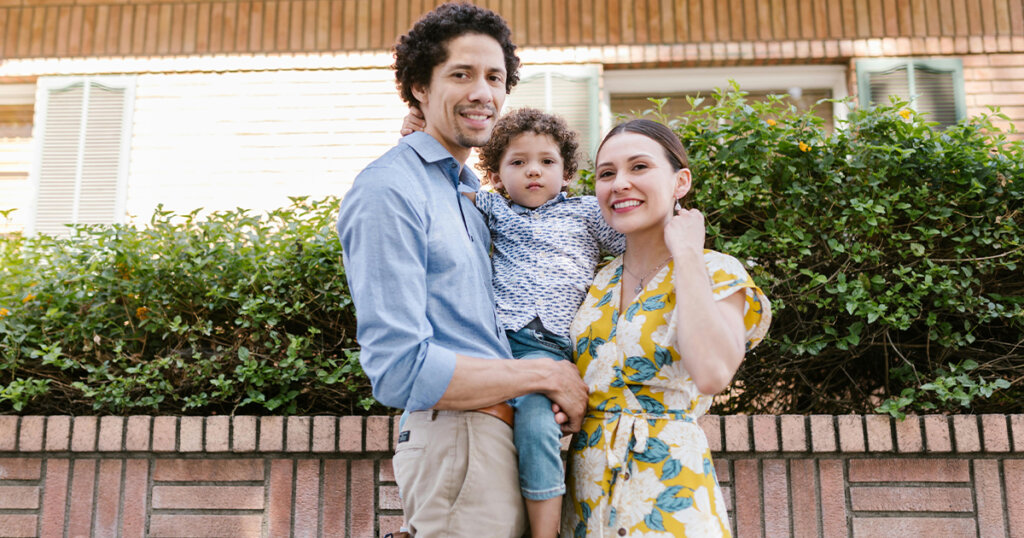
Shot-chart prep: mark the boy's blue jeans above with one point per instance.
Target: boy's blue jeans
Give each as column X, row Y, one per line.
column 537, row 436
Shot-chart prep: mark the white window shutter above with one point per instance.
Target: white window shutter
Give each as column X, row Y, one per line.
column 81, row 148
column 570, row 93
column 57, row 161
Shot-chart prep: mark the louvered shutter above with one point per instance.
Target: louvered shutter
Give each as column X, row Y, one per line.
column 936, row 95
column 933, row 87
column 572, row 96
column 80, row 158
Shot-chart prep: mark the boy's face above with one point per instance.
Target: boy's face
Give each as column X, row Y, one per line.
column 531, row 170
column 466, row 93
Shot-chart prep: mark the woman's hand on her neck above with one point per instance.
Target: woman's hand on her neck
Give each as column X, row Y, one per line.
column 684, row 233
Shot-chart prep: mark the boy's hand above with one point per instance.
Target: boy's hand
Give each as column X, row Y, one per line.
column 414, row 121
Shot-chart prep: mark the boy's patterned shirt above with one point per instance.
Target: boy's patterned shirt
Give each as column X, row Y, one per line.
column 544, row 258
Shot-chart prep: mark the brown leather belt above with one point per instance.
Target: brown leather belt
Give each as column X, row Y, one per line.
column 501, row 411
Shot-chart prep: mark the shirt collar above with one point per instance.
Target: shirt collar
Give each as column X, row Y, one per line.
column 431, row 151
column 560, row 197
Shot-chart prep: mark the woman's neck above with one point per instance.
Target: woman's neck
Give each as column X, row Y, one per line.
column 645, row 250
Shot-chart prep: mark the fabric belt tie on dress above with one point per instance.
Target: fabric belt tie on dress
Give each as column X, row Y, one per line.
column 626, row 425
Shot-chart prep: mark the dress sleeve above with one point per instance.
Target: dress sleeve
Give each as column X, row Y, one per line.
column 608, row 240
column 728, row 276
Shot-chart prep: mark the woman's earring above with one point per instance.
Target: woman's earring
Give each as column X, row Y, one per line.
column 678, row 207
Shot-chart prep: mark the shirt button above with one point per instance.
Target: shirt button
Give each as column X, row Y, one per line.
column 622, row 531
column 625, row 475
column 454, row 166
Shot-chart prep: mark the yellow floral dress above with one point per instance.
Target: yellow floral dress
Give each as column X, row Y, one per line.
column 641, row 465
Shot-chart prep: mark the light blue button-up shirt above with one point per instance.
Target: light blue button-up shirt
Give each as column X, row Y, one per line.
column 416, row 259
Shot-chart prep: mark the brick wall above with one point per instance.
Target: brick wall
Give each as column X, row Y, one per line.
column 331, row 476
column 995, row 80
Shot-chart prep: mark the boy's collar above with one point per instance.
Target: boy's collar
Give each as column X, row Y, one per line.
column 560, row 197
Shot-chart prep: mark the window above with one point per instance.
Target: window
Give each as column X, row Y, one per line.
column 630, row 105
column 17, row 104
column 933, row 87
column 80, row 152
column 567, row 90
column 628, row 89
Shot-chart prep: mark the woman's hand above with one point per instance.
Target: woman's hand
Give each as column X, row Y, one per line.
column 561, row 419
column 414, row 121
column 685, row 230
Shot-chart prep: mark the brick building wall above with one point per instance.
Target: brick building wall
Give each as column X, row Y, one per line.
column 785, row 475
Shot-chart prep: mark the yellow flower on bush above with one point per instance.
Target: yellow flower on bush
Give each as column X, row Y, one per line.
column 770, row 121
column 28, row 298
column 4, row 312
column 905, row 113
column 142, row 312
column 804, row 147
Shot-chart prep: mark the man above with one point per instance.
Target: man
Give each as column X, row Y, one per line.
column 416, row 257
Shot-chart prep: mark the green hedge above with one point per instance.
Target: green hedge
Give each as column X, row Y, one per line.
column 892, row 253
column 233, row 312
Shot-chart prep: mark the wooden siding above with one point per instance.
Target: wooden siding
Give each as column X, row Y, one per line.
column 85, row 28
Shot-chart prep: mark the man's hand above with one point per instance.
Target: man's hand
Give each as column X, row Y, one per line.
column 414, row 121
column 568, row 396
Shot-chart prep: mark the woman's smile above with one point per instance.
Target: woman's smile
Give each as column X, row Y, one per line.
column 623, row 206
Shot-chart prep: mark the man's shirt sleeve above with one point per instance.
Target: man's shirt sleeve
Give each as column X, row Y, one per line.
column 382, row 227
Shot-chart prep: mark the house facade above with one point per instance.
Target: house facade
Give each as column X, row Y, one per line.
column 110, row 108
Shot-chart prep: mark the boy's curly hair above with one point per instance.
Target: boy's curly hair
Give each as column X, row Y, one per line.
column 529, row 120
column 426, row 44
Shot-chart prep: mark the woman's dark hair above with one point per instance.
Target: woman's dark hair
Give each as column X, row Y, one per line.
column 426, row 44
column 674, row 150
column 529, row 120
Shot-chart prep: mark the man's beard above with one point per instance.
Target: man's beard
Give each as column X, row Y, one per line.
column 468, row 141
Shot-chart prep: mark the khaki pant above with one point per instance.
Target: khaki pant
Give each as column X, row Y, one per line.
column 457, row 475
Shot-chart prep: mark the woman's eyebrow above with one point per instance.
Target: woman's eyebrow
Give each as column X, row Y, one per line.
column 631, row 158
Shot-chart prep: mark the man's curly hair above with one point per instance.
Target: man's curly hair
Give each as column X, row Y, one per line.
column 426, row 44
column 529, row 120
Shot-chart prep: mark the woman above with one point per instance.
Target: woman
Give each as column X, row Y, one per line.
column 663, row 328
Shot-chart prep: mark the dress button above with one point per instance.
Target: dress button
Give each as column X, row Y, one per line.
column 622, row 531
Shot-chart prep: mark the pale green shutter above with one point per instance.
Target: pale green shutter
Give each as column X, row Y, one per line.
column 933, row 87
